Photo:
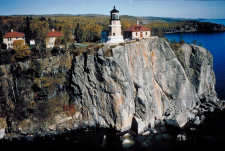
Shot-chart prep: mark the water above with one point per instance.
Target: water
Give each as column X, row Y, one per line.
column 214, row 42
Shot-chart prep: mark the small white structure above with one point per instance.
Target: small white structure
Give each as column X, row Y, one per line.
column 32, row 42
column 12, row 36
column 115, row 28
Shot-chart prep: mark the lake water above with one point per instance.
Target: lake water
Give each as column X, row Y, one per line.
column 215, row 43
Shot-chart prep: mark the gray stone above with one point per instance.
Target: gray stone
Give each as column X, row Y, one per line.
column 146, row 133
column 181, row 137
column 178, row 120
column 143, row 79
column 194, row 111
column 139, row 126
column 211, row 109
column 197, row 120
column 2, row 133
column 126, row 141
column 153, row 130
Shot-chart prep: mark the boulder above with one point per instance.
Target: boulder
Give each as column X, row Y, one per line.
column 2, row 133
column 152, row 130
column 194, row 111
column 126, row 141
column 197, row 120
column 146, row 133
column 211, row 109
column 178, row 120
column 138, row 126
column 181, row 137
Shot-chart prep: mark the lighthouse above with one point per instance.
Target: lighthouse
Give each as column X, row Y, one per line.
column 114, row 28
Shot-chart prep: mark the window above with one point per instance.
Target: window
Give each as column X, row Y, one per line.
column 136, row 34
column 51, row 38
column 8, row 39
column 50, row 43
column 11, row 44
column 113, row 34
column 16, row 37
column 146, row 33
column 8, row 44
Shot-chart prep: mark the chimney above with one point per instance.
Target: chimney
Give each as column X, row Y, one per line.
column 11, row 30
column 53, row 29
column 137, row 22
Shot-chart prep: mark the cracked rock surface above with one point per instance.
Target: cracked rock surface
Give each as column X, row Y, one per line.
column 146, row 80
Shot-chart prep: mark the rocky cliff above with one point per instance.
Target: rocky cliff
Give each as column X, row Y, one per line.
column 142, row 82
column 133, row 85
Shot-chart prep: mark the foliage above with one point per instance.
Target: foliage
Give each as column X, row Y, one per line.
column 194, row 42
column 21, row 50
column 35, row 68
column 167, row 39
column 182, row 42
column 107, row 53
column 173, row 41
column 175, row 45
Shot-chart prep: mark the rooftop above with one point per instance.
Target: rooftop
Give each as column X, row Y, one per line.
column 54, row 34
column 114, row 10
column 137, row 28
column 14, row 34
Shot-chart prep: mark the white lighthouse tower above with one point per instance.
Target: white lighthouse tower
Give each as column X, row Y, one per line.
column 115, row 28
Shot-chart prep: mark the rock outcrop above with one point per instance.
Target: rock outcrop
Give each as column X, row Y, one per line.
column 141, row 82
column 139, row 85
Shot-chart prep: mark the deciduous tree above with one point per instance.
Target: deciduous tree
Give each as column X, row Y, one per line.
column 21, row 50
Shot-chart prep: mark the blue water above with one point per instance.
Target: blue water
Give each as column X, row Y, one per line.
column 215, row 43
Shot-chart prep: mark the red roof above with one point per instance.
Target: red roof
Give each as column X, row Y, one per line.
column 54, row 34
column 137, row 28
column 14, row 35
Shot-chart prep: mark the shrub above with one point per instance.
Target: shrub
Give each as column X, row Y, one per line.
column 90, row 46
column 107, row 53
column 77, row 51
column 35, row 68
column 121, row 44
column 167, row 39
column 182, row 42
column 173, row 41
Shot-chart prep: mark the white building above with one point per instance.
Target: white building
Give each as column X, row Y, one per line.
column 32, row 42
column 11, row 36
column 114, row 33
column 52, row 37
column 137, row 31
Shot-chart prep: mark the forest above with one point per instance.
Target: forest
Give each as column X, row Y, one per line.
column 87, row 28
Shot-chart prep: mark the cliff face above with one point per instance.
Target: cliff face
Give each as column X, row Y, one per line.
column 141, row 82
column 32, row 93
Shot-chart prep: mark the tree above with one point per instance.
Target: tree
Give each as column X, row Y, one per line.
column 58, row 41
column 173, row 41
column 21, row 50
column 194, row 42
column 41, row 37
